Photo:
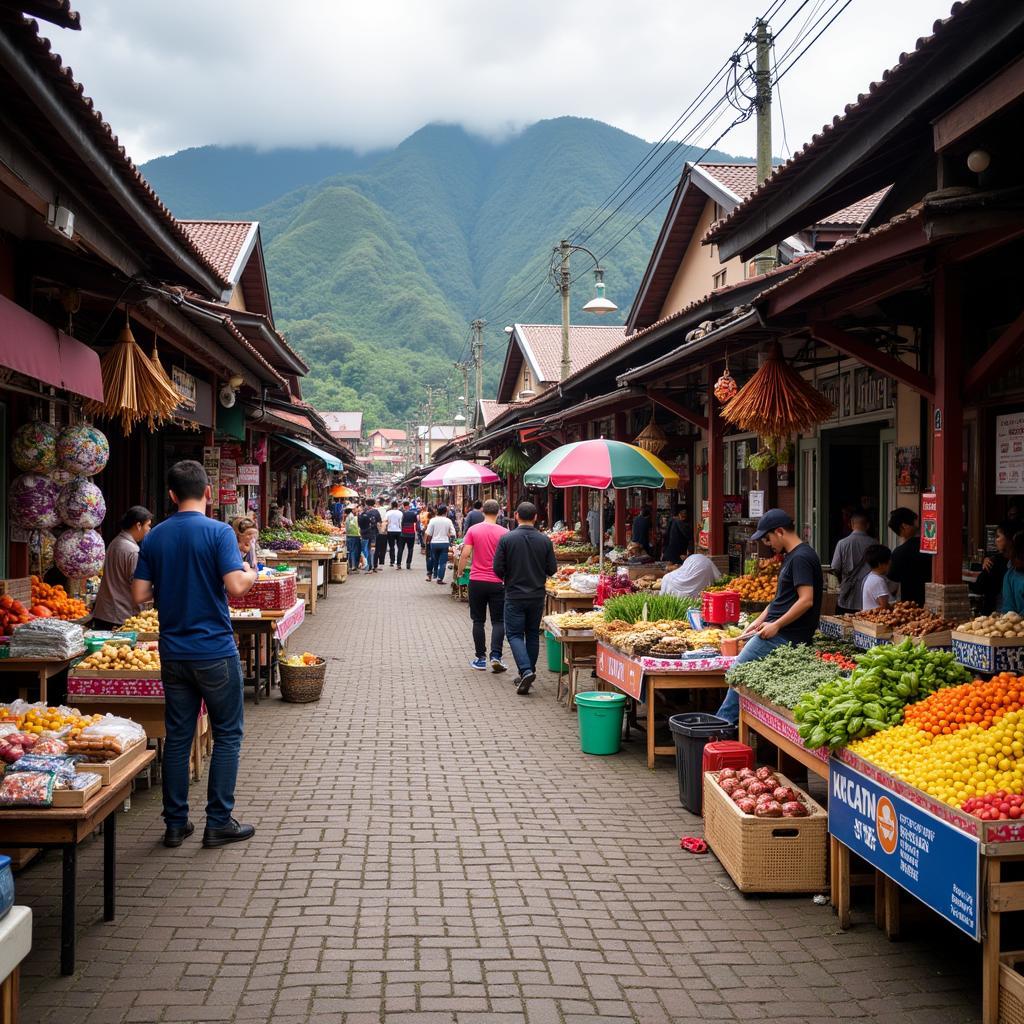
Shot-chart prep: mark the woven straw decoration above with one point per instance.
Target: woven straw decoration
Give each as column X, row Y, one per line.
column 652, row 438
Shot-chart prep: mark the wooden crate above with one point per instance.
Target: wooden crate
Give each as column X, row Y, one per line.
column 1011, row 988
column 76, row 797
column 767, row 854
column 989, row 654
column 835, row 627
column 943, row 639
column 19, row 588
column 872, row 629
column 108, row 770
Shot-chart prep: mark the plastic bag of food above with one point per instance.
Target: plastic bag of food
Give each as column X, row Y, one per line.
column 80, row 780
column 27, row 789
column 107, row 738
column 50, row 745
column 58, row 764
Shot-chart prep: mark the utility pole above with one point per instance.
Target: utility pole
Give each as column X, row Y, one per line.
column 563, row 287
column 766, row 260
column 430, row 420
column 463, row 368
column 477, row 349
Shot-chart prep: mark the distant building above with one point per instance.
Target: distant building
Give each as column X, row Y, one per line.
column 345, row 426
column 440, row 435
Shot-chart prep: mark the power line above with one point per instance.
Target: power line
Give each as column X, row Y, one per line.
column 820, row 33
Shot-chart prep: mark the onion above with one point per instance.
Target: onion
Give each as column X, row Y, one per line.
column 784, row 793
column 757, row 788
column 746, row 805
column 729, row 785
column 769, row 809
column 726, row 773
column 764, row 774
column 746, row 773
column 794, row 809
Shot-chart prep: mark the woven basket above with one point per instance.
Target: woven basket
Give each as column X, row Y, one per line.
column 1011, row 988
column 339, row 572
column 302, row 684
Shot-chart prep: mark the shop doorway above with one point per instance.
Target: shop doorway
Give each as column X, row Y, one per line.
column 851, row 478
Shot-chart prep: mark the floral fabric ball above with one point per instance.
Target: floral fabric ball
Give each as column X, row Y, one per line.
column 79, row 553
column 82, row 450
column 34, row 448
column 81, row 504
column 33, row 502
column 62, row 477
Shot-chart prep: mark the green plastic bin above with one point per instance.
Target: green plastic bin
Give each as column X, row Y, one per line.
column 600, row 716
column 555, row 661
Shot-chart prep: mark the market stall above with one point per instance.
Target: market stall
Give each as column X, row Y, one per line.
column 266, row 631
column 575, row 633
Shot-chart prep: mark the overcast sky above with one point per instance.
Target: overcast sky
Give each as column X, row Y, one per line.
column 365, row 74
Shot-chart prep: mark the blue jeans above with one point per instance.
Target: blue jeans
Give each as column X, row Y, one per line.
column 754, row 649
column 186, row 685
column 437, row 560
column 355, row 549
column 369, row 548
column 522, row 631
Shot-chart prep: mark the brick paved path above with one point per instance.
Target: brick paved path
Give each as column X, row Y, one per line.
column 432, row 848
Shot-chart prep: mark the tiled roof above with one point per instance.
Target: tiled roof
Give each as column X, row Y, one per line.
column 586, row 344
column 389, row 434
column 856, row 213
column 440, row 432
column 853, row 113
column 344, row 423
column 740, row 179
column 491, row 410
column 220, row 241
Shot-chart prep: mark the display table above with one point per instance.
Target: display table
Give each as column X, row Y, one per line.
column 64, row 829
column 44, row 669
column 643, row 678
column 318, row 571
column 264, row 631
column 15, row 945
column 558, row 601
column 777, row 725
column 579, row 650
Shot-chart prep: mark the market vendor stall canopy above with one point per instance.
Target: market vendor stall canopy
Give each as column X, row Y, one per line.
column 341, row 491
column 460, row 474
column 330, row 461
column 31, row 346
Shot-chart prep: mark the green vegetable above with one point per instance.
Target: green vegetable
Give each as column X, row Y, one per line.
column 785, row 675
column 648, row 607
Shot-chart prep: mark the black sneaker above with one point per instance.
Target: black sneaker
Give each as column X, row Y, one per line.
column 175, row 835
column 230, row 833
column 525, row 682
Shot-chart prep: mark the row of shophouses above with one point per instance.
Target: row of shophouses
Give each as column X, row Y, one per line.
column 899, row 239
column 86, row 248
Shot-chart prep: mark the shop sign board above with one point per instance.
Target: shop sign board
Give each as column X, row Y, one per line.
column 872, row 391
column 227, row 470
column 929, row 523
column 756, row 500
column 1010, row 453
column 185, row 384
column 248, row 475
column 622, row 672
column 932, row 859
column 211, row 463
column 704, row 534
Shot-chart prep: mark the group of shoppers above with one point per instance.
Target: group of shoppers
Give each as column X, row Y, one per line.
column 371, row 536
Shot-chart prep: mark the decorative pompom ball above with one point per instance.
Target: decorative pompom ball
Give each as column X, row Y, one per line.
column 33, row 502
column 81, row 504
column 82, row 450
column 79, row 553
column 34, row 448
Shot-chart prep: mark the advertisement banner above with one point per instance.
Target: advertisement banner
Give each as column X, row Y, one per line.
column 930, row 858
column 622, row 672
column 248, row 475
column 211, row 463
column 1010, row 453
column 929, row 524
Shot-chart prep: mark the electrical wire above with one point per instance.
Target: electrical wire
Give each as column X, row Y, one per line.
column 785, row 71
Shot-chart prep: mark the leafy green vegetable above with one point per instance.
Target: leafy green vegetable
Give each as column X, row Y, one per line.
column 785, row 675
column 649, row 607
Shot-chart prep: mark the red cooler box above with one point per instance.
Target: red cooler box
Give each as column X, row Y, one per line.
column 726, row 754
column 720, row 606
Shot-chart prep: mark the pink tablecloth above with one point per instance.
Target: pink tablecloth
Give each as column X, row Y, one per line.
column 84, row 686
column 665, row 665
column 290, row 621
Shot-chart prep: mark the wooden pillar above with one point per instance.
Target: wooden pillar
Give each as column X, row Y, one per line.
column 551, row 506
column 716, row 451
column 620, row 496
column 948, row 425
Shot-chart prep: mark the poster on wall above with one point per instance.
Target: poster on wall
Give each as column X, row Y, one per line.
column 248, row 475
column 1010, row 453
column 908, row 468
column 211, row 463
column 756, row 499
column 929, row 524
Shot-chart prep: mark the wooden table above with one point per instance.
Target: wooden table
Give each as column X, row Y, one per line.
column 630, row 677
column 64, row 829
column 268, row 628
column 315, row 561
column 580, row 651
column 43, row 668
column 559, row 601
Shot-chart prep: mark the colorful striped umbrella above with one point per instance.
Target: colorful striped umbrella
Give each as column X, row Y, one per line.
column 341, row 491
column 601, row 463
column 459, row 474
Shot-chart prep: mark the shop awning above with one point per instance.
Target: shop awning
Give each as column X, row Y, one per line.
column 31, row 346
column 329, row 460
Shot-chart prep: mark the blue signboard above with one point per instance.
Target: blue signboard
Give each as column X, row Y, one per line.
column 932, row 859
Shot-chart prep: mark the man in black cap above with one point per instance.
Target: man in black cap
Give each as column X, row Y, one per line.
column 792, row 617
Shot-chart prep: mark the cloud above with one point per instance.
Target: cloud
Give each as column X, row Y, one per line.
column 273, row 73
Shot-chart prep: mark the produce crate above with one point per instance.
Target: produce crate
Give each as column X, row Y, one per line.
column 276, row 595
column 767, row 854
column 20, row 589
column 864, row 642
column 989, row 654
column 872, row 629
column 1011, row 988
column 113, row 769
column 835, row 627
column 942, row 640
column 76, row 797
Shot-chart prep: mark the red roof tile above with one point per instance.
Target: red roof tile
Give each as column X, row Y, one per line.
column 491, row 410
column 220, row 241
column 389, row 434
column 856, row 213
column 586, row 345
column 739, row 179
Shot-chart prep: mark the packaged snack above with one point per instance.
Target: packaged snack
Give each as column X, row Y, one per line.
column 27, row 789
column 59, row 764
column 50, row 745
column 107, row 738
column 80, row 780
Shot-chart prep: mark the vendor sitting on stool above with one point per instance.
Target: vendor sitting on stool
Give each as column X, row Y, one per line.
column 792, row 617
column 114, row 601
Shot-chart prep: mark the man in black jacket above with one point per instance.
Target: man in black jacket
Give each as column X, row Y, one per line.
column 524, row 559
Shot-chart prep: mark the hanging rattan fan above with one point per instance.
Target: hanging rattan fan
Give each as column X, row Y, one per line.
column 652, row 438
column 133, row 388
column 155, row 357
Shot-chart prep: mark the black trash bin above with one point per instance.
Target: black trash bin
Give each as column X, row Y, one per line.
column 691, row 732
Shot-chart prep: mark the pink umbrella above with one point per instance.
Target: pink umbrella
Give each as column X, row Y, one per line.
column 460, row 474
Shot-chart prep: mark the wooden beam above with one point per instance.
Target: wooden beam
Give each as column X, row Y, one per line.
column 691, row 416
column 848, row 344
column 716, row 455
column 1003, row 89
column 890, row 283
column 977, row 245
column 996, row 357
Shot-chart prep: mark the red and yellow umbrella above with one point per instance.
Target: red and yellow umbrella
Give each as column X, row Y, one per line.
column 341, row 491
column 601, row 463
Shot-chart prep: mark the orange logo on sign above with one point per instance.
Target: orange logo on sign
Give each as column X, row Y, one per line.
column 886, row 825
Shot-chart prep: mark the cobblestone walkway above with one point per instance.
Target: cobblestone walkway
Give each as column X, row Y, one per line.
column 432, row 848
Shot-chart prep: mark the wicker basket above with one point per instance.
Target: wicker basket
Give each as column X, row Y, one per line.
column 302, row 684
column 339, row 572
column 1011, row 988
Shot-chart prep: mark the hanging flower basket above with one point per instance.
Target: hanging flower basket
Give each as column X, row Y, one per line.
column 652, row 438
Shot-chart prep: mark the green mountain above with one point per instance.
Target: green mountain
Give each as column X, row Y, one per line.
column 376, row 270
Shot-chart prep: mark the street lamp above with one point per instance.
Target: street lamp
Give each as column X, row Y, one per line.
column 599, row 304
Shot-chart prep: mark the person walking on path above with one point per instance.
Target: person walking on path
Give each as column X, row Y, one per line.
column 352, row 541
column 369, row 525
column 523, row 560
column 425, row 515
column 486, row 591
column 393, row 519
column 407, row 538
column 189, row 565
column 473, row 516
column 438, row 536
column 792, row 617
column 849, row 561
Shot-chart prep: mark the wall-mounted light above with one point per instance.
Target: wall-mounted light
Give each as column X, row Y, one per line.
column 978, row 160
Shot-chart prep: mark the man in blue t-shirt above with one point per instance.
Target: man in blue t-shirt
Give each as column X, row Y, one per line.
column 188, row 565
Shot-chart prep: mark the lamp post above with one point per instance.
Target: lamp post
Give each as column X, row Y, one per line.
column 598, row 304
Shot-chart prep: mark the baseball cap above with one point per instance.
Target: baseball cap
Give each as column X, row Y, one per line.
column 772, row 520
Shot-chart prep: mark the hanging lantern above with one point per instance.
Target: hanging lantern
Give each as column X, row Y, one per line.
column 652, row 438
column 726, row 386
